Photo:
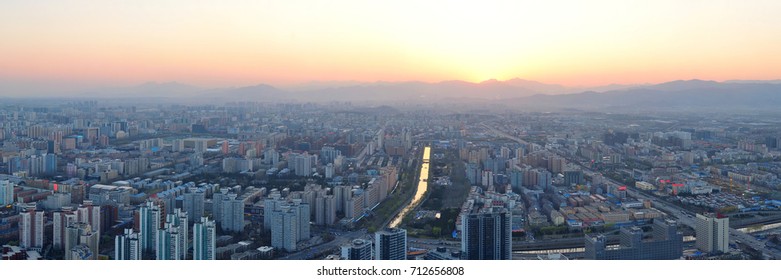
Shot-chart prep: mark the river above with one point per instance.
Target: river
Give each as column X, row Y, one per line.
column 420, row 192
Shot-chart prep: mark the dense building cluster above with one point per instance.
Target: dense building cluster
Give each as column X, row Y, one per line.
column 261, row 181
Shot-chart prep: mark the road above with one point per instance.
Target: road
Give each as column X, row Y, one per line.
column 505, row 135
column 342, row 239
column 432, row 244
column 684, row 217
column 687, row 218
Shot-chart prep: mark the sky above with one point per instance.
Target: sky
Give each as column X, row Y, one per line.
column 215, row 44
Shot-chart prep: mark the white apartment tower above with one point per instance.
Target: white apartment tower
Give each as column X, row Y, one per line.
column 712, row 233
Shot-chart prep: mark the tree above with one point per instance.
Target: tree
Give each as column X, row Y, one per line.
column 729, row 209
column 436, row 231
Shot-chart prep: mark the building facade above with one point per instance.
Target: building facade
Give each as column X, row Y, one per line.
column 81, row 242
column 487, row 236
column 390, row 244
column 666, row 244
column 31, row 228
column 149, row 219
column 712, row 233
column 127, row 246
column 358, row 249
column 60, row 221
column 204, row 239
column 6, row 192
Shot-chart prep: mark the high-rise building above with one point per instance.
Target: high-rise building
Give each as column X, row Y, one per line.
column 194, row 201
column 319, row 211
column 180, row 219
column 504, row 152
column 329, row 171
column 573, row 177
column 270, row 156
column 50, row 164
column 712, row 233
column 61, row 220
column 236, row 165
column 127, row 246
column 390, row 244
column 172, row 243
column 544, row 179
column 31, row 228
column 37, row 164
column 89, row 213
column 201, row 145
column 270, row 205
column 358, row 249
column 177, row 145
column 666, row 244
column 169, row 240
column 81, row 242
column 6, row 192
column 487, row 178
column 289, row 223
column 487, row 235
column 57, row 200
column 328, row 154
column 342, row 194
column 339, row 163
column 303, row 164
column 217, row 199
column 284, row 229
column 143, row 164
column 232, row 215
column 556, row 164
column 204, row 239
column 225, row 147
column 381, row 140
column 149, row 219
column 516, row 179
column 303, row 219
column 354, row 207
column 330, row 209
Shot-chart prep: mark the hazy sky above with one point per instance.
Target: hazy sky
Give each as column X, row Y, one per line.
column 211, row 43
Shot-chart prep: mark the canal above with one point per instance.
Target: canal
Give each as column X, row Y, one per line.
column 419, row 193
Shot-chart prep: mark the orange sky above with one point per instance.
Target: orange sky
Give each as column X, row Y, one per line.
column 281, row 43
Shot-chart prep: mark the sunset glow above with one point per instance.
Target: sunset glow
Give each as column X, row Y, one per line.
column 286, row 42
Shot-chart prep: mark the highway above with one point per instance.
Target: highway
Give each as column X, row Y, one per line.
column 688, row 219
column 684, row 217
column 339, row 240
column 432, row 244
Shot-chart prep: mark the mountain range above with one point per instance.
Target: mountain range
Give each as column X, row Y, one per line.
column 514, row 93
column 675, row 95
column 412, row 91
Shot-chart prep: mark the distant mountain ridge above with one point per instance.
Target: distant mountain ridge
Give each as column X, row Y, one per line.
column 412, row 91
column 671, row 95
column 513, row 93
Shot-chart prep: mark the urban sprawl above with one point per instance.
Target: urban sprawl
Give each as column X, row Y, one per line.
column 91, row 180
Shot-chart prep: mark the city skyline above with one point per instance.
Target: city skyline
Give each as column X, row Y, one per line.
column 66, row 45
column 101, row 179
column 407, row 130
